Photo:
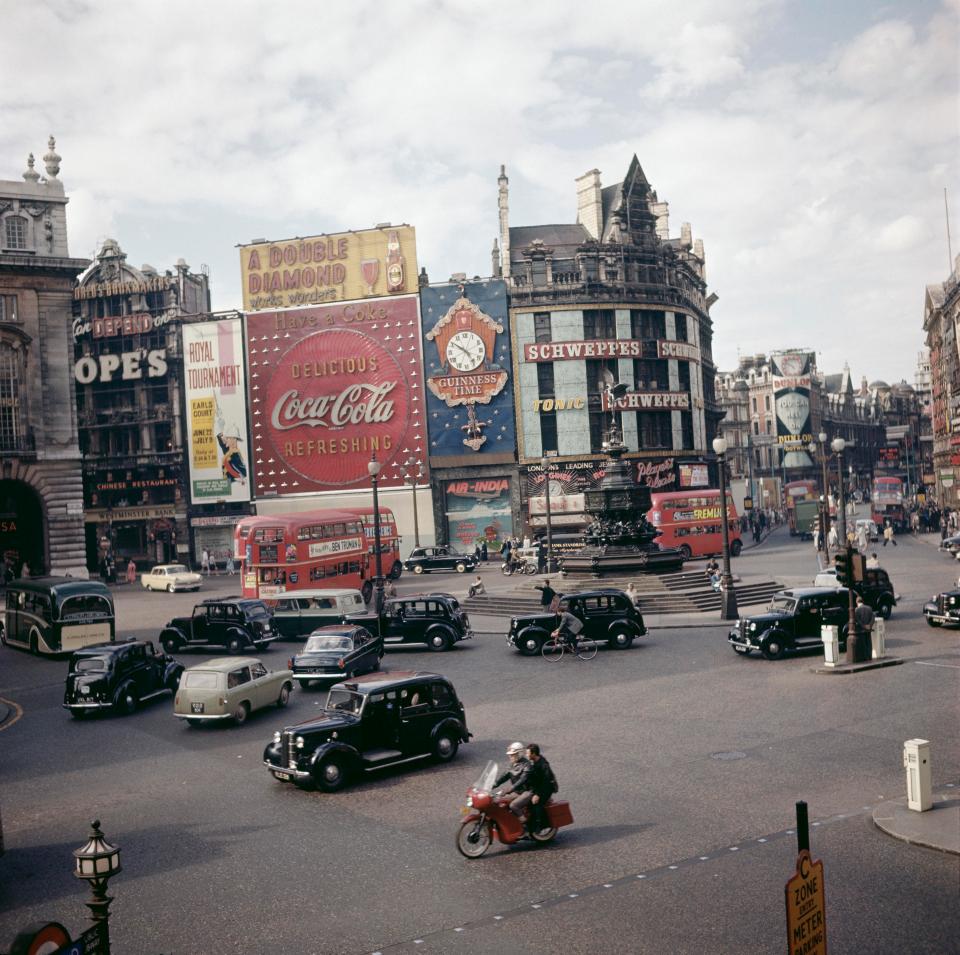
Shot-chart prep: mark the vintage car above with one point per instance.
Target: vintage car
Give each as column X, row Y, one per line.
column 299, row 613
column 951, row 545
column 424, row 559
column 876, row 588
column 378, row 720
column 943, row 609
column 234, row 623
column 335, row 653
column 870, row 529
column 229, row 690
column 117, row 676
column 437, row 620
column 792, row 621
column 608, row 616
column 171, row 578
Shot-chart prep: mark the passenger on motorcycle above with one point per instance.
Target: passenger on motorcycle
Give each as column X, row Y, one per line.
column 517, row 768
column 543, row 784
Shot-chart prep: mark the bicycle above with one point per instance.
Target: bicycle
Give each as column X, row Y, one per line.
column 554, row 647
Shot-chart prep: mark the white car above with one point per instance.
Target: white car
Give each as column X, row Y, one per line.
column 170, row 577
column 827, row 578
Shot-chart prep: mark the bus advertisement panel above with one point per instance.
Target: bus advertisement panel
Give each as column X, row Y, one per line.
column 307, row 550
column 389, row 542
column 691, row 522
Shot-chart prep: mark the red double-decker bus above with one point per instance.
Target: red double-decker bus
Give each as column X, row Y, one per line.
column 389, row 542
column 305, row 550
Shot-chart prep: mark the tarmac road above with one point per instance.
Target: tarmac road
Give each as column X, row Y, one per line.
column 682, row 763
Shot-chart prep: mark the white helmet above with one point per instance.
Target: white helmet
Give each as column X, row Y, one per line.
column 515, row 749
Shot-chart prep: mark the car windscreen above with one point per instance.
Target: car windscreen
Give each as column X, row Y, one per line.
column 783, row 604
column 201, row 680
column 90, row 665
column 322, row 642
column 257, row 611
column 344, row 700
column 453, row 603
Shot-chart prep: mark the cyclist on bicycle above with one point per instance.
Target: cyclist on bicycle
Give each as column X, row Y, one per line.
column 570, row 626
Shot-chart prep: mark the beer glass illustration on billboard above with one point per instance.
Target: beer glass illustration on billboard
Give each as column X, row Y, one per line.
column 370, row 269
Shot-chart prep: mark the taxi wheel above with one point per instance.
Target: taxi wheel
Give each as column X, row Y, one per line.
column 621, row 640
column 331, row 775
column 461, row 568
column 240, row 714
column 773, row 647
column 735, row 548
column 885, row 610
column 126, row 701
column 170, row 645
column 440, row 641
column 235, row 645
column 445, row 747
column 170, row 588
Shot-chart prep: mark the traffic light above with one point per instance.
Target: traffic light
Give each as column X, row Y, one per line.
column 842, row 563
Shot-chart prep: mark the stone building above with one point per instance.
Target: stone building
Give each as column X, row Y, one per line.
column 41, row 492
column 941, row 313
column 128, row 371
column 610, row 299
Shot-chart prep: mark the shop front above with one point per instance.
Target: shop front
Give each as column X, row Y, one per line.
column 213, row 534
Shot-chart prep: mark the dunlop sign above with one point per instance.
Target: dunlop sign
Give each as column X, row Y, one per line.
column 806, row 909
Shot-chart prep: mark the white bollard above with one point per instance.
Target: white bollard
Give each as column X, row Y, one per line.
column 916, row 761
column 831, row 645
column 879, row 638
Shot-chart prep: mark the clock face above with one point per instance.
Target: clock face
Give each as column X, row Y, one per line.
column 465, row 351
column 556, row 488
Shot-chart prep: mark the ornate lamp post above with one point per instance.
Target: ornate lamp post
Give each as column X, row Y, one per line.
column 825, row 523
column 545, row 463
column 97, row 861
column 412, row 470
column 838, row 444
column 728, row 596
column 373, row 469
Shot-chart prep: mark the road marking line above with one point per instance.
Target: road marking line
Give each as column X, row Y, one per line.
column 18, row 712
column 949, row 666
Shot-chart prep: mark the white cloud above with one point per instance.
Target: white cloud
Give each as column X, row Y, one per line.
column 812, row 165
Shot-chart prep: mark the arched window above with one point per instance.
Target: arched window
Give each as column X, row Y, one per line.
column 15, row 232
column 11, row 383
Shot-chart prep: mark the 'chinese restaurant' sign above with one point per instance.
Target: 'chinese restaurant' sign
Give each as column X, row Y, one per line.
column 329, row 387
column 329, row 268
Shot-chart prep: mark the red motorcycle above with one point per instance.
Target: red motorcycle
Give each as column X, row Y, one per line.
column 488, row 817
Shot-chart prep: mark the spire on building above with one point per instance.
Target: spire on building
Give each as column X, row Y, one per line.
column 31, row 175
column 52, row 160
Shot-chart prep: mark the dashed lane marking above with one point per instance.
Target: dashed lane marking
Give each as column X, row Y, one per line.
column 664, row 871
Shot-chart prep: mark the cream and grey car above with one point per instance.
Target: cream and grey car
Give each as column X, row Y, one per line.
column 171, row 577
column 230, row 690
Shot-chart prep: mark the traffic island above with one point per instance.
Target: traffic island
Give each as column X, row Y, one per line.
column 858, row 667
column 937, row 828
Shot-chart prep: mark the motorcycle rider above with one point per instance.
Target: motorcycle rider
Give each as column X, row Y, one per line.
column 517, row 768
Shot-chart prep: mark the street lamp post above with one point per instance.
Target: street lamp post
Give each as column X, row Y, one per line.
column 838, row 444
column 728, row 596
column 373, row 469
column 97, row 862
column 545, row 462
column 412, row 471
column 825, row 524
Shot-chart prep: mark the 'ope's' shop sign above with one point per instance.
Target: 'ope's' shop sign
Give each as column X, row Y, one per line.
column 323, row 401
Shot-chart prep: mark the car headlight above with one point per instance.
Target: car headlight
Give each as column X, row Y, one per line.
column 298, row 742
column 753, row 626
column 276, row 737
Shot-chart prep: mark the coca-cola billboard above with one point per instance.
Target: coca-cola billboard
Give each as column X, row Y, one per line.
column 329, row 387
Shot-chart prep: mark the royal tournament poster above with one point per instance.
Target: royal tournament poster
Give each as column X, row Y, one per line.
column 215, row 390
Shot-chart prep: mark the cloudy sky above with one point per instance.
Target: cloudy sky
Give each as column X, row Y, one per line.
column 808, row 143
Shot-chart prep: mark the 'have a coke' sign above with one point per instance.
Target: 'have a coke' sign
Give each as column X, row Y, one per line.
column 329, row 387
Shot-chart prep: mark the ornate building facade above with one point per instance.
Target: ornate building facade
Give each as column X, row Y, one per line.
column 41, row 492
column 609, row 322
column 128, row 372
